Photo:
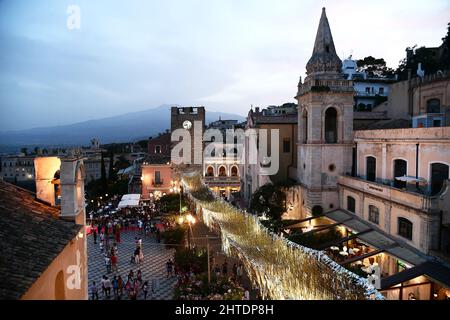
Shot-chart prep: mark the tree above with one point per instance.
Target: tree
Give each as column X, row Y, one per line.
column 374, row 67
column 111, row 166
column 270, row 200
column 432, row 59
column 103, row 173
column 24, row 151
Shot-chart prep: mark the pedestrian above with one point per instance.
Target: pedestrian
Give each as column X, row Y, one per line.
column 136, row 255
column 169, row 266
column 217, row 270
column 120, row 286
column 114, row 263
column 94, row 291
column 115, row 285
column 145, row 289
column 131, row 276
column 234, row 269
column 141, row 255
column 246, row 295
column 103, row 286
column 107, row 286
column 240, row 271
column 101, row 246
column 94, row 233
column 107, row 264
column 139, row 276
column 225, row 268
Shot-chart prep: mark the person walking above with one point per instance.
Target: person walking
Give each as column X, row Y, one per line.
column 107, row 264
column 94, row 291
column 169, row 266
column 94, row 234
column 225, row 268
column 240, row 271
column 114, row 263
column 115, row 285
column 107, row 284
column 136, row 255
column 120, row 286
column 145, row 289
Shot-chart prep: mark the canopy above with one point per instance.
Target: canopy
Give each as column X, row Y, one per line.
column 128, row 203
column 410, row 179
column 131, row 196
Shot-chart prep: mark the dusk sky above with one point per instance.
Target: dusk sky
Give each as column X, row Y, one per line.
column 225, row 55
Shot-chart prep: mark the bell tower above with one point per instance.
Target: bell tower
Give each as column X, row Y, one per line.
column 325, row 120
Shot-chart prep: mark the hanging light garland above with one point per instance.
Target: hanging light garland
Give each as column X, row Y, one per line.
column 281, row 268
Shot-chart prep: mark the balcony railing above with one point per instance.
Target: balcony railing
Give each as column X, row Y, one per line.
column 410, row 196
column 157, row 183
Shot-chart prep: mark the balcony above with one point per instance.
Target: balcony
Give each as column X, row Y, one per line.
column 418, row 199
column 157, row 183
column 222, row 181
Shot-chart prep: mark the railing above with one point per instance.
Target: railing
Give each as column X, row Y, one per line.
column 421, row 201
column 157, row 183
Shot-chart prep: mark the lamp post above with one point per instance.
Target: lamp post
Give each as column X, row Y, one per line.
column 191, row 220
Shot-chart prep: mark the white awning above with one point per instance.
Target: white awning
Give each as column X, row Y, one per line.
column 128, row 203
column 410, row 179
column 132, row 196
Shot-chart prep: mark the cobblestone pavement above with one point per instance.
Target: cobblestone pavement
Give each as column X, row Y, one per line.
column 153, row 268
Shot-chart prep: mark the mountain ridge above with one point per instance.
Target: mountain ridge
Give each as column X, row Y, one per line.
column 121, row 128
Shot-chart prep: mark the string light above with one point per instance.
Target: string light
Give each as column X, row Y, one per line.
column 280, row 268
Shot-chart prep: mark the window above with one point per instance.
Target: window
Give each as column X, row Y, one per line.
column 331, row 125
column 371, row 168
column 374, row 214
column 222, row 172
column 436, row 122
column 368, row 90
column 433, row 106
column 439, row 173
column 234, row 171
column 380, row 90
column 158, row 177
column 286, row 145
column 399, row 171
column 405, row 228
column 158, row 149
column 351, row 204
column 210, row 172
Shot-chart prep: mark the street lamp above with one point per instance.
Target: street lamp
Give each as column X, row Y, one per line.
column 191, row 220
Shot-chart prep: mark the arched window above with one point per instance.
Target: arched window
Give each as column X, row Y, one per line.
column 374, row 214
column 305, row 127
column 439, row 173
column 210, row 171
column 60, row 293
column 331, row 125
column 351, row 204
column 371, row 168
column 400, row 170
column 317, row 211
column 234, row 171
column 222, row 172
column 434, row 106
column 405, row 228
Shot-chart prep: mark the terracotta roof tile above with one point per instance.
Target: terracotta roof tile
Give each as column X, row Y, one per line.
column 31, row 236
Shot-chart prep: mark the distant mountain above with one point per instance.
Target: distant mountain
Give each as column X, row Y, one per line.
column 122, row 128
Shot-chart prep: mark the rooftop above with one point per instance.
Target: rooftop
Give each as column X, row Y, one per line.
column 31, row 236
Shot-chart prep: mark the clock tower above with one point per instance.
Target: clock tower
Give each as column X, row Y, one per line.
column 193, row 120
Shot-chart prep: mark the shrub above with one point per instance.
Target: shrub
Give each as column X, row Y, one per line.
column 174, row 237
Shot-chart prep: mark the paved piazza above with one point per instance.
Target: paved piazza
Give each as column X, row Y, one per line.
column 153, row 268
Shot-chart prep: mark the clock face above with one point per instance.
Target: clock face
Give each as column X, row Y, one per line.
column 187, row 124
